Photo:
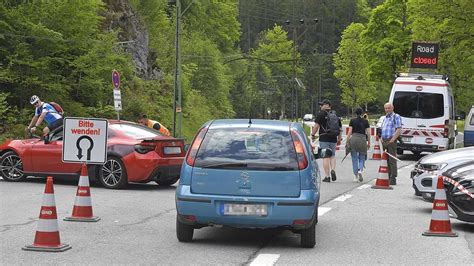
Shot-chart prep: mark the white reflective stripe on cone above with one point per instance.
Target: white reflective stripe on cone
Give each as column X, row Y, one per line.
column 83, row 201
column 48, row 225
column 440, row 194
column 440, row 215
column 84, row 181
column 48, row 200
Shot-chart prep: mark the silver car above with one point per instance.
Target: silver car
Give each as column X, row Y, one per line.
column 428, row 168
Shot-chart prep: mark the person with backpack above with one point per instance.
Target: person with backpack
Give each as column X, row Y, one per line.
column 329, row 126
column 390, row 131
column 44, row 111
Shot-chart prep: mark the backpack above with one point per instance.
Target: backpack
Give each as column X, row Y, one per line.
column 332, row 126
column 57, row 107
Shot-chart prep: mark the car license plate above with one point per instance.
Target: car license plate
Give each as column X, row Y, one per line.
column 245, row 209
column 406, row 139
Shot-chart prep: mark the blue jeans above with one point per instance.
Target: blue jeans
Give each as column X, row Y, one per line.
column 358, row 161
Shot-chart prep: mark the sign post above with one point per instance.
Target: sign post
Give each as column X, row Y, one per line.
column 85, row 140
column 117, row 94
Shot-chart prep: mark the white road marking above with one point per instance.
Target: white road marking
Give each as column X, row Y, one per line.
column 364, row 186
column 265, row 259
column 343, row 197
column 323, row 210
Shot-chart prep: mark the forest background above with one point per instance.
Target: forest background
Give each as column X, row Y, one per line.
column 239, row 58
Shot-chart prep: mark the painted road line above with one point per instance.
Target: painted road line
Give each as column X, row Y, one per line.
column 343, row 197
column 323, row 210
column 265, row 259
column 364, row 186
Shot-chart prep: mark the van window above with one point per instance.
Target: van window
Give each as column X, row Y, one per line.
column 247, row 148
column 418, row 104
column 472, row 120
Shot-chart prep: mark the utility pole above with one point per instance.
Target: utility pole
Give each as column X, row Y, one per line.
column 177, row 107
column 177, row 75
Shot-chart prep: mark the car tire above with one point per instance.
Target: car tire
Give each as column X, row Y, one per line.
column 11, row 167
column 167, row 182
column 308, row 236
column 417, row 192
column 112, row 174
column 184, row 232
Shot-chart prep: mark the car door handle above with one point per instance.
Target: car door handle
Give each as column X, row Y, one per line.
column 421, row 125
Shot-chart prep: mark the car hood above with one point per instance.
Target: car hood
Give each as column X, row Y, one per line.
column 448, row 156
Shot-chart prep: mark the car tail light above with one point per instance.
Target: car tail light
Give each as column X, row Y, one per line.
column 195, row 146
column 299, row 148
column 446, row 128
column 190, row 218
column 145, row 147
column 301, row 222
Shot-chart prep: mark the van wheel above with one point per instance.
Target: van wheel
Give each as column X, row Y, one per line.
column 308, row 236
column 184, row 232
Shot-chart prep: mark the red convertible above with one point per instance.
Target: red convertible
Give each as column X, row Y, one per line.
column 134, row 154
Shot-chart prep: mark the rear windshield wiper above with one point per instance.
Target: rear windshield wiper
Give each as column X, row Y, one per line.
column 225, row 165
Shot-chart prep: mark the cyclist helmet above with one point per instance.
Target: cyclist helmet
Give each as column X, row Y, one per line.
column 34, row 99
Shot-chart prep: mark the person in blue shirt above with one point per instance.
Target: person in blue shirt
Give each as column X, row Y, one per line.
column 44, row 111
column 391, row 129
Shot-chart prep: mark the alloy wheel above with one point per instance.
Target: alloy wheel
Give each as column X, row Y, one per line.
column 12, row 167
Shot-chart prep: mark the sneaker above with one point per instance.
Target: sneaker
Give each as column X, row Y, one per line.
column 327, row 179
column 333, row 175
column 359, row 174
column 393, row 181
column 355, row 179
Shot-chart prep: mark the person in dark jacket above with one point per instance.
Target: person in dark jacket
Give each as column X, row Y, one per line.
column 358, row 141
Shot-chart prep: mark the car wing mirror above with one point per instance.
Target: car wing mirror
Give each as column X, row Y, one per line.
column 46, row 139
column 322, row 153
column 461, row 116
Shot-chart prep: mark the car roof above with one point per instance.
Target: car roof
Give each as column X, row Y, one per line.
column 447, row 156
column 278, row 125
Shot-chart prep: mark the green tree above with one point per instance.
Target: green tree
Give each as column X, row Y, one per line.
column 451, row 24
column 352, row 68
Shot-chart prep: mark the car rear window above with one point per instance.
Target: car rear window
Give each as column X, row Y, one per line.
column 418, row 104
column 247, row 148
column 135, row 131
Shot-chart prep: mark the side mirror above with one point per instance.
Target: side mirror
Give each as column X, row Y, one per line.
column 46, row 139
column 322, row 153
column 461, row 116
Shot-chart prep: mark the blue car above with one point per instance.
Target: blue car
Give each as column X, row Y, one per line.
column 249, row 174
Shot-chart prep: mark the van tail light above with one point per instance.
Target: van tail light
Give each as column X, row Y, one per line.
column 301, row 222
column 446, row 128
column 195, row 146
column 299, row 148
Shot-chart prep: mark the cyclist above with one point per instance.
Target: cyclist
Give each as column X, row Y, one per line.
column 143, row 119
column 44, row 111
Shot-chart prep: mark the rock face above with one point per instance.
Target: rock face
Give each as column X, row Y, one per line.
column 133, row 37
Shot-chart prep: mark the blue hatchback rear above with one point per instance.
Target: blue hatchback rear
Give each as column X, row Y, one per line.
column 249, row 174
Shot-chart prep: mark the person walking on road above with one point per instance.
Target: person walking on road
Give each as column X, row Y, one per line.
column 329, row 127
column 44, row 111
column 358, row 141
column 391, row 129
column 143, row 119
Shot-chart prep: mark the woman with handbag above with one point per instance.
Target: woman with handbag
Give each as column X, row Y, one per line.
column 358, row 141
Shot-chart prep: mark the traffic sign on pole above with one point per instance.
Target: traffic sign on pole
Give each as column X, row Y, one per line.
column 85, row 140
column 117, row 94
column 116, row 79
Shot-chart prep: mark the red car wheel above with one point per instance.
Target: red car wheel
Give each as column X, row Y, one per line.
column 11, row 167
column 113, row 174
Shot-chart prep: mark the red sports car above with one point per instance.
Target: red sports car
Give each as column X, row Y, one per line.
column 134, row 154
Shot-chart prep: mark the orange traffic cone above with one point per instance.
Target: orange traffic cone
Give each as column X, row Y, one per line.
column 382, row 181
column 376, row 155
column 82, row 211
column 47, row 233
column 440, row 224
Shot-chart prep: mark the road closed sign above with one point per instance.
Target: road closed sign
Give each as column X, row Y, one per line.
column 85, row 140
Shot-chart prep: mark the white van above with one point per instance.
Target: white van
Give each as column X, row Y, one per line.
column 426, row 104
